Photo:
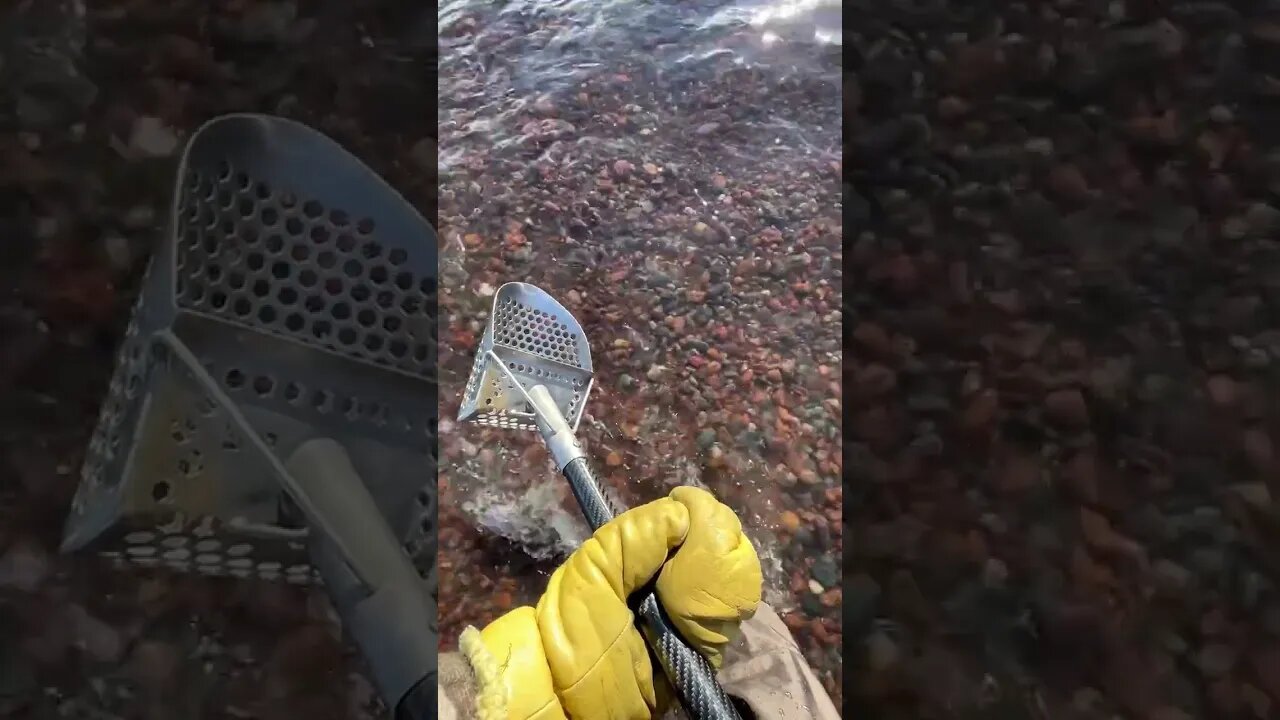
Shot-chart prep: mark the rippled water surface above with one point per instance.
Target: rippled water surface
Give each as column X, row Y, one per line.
column 670, row 172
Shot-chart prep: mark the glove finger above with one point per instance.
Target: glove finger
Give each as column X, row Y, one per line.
column 714, row 581
column 583, row 615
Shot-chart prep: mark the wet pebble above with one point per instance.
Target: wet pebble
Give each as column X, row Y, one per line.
column 1067, row 409
column 155, row 665
column 1216, row 660
column 24, row 566
column 98, row 640
column 994, row 573
column 151, row 138
column 1222, row 390
column 1171, row 576
column 706, row 439
column 118, row 251
column 545, row 105
column 425, row 154
column 790, row 521
column 825, row 571
column 883, row 652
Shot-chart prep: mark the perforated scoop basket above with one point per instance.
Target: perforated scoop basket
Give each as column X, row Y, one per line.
column 302, row 283
column 540, row 343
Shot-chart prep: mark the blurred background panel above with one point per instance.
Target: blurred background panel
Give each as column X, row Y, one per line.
column 95, row 103
column 1063, row 359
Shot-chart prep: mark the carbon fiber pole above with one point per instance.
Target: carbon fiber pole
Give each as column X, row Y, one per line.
column 691, row 676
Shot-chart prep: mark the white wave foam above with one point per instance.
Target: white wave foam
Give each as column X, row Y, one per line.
column 535, row 520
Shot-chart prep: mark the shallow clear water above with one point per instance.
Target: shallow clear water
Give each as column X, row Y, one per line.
column 499, row 59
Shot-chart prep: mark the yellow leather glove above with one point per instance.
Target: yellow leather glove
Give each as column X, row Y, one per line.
column 579, row 655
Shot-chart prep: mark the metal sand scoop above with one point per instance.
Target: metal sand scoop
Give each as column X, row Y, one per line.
column 273, row 410
column 533, row 372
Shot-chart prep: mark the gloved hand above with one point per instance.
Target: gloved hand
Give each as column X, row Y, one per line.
column 579, row 655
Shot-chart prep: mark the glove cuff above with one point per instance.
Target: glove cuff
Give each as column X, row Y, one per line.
column 491, row 695
column 513, row 678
